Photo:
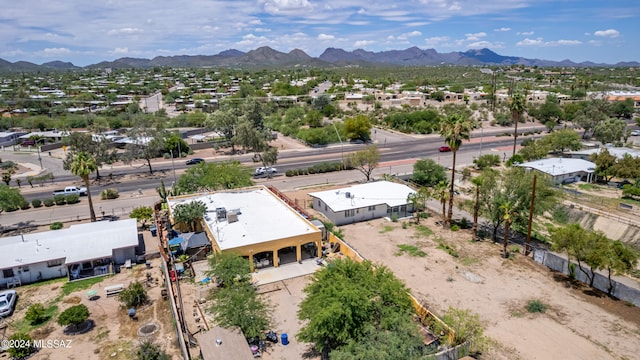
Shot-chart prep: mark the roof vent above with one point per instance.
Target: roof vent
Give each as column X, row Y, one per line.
column 232, row 216
column 347, row 195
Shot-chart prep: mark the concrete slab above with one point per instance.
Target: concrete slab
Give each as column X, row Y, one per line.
column 283, row 272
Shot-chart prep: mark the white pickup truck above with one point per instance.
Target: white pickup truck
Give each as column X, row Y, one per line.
column 71, row 190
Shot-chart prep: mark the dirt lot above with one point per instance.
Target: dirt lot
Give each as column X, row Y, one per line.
column 578, row 323
column 115, row 335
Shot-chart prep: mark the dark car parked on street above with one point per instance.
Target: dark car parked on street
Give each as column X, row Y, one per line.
column 194, row 161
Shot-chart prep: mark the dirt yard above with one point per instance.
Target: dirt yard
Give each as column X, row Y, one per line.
column 578, row 323
column 114, row 335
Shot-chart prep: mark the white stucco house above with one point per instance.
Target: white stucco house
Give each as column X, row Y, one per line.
column 564, row 170
column 82, row 250
column 363, row 202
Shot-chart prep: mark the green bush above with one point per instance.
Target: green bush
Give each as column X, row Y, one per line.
column 36, row 314
column 74, row 315
column 59, row 199
column 72, row 198
column 536, row 306
column 455, row 227
column 22, row 351
column 25, row 205
column 108, row 194
column 36, row 203
column 134, row 295
column 48, row 202
column 487, row 161
column 56, row 225
column 394, row 217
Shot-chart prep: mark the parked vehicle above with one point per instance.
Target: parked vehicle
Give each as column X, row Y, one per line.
column 69, row 190
column 7, row 302
column 444, row 149
column 635, row 133
column 194, row 161
column 265, row 171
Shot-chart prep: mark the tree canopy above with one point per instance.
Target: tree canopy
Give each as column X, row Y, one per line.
column 10, row 198
column 82, row 165
column 365, row 160
column 351, row 303
column 215, row 176
column 189, row 213
column 427, row 172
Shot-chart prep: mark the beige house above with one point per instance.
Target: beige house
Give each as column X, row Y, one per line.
column 258, row 225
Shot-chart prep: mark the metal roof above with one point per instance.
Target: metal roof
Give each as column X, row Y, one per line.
column 78, row 243
column 365, row 195
column 560, row 166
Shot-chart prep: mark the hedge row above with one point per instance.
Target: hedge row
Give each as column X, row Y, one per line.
column 320, row 168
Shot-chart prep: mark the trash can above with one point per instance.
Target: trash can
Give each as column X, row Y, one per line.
column 154, row 232
column 284, row 339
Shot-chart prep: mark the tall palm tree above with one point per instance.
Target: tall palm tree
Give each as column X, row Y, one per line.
column 455, row 128
column 517, row 105
column 441, row 193
column 477, row 181
column 507, row 215
column 83, row 165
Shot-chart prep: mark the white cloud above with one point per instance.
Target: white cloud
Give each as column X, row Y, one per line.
column 502, row 29
column 540, row 42
column 475, row 36
column 485, row 44
column 405, row 36
column 611, row 33
column 286, row 6
column 55, row 51
column 325, row 37
column 120, row 50
column 525, row 33
column 363, row 43
column 125, row 31
column 262, row 30
column 530, row 42
column 436, row 40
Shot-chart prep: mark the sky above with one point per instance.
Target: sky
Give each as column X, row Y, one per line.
column 87, row 32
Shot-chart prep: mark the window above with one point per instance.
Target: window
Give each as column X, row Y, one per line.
column 349, row 213
column 7, row 273
column 372, row 208
column 56, row 262
column 24, row 268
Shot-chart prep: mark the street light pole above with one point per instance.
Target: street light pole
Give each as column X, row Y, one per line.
column 341, row 145
column 39, row 158
column 173, row 166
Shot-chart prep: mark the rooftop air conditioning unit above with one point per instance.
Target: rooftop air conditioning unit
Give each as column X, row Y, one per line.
column 221, row 213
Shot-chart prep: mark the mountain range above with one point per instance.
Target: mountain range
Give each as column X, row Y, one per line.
column 266, row 57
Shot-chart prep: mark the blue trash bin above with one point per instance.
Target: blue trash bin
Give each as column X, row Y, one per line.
column 153, row 231
column 284, row 339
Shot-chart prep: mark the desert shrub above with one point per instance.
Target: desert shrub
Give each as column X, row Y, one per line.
column 487, row 161
column 108, row 194
column 455, row 227
column 72, row 198
column 36, row 203
column 536, row 306
column 22, row 351
column 48, row 202
column 36, row 314
column 394, row 217
column 134, row 295
column 290, row 173
column 74, row 315
column 56, row 225
column 25, row 205
column 59, row 199
column 148, row 350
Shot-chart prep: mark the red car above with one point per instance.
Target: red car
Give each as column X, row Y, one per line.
column 444, row 149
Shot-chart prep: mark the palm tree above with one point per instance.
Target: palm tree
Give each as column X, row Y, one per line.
column 517, row 105
column 477, row 181
column 83, row 165
column 441, row 193
column 507, row 215
column 455, row 128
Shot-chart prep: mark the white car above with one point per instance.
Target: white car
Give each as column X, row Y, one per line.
column 7, row 302
column 265, row 171
column 635, row 133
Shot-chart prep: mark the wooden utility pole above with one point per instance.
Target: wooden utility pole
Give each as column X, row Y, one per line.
column 527, row 248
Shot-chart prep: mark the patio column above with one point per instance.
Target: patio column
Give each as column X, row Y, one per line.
column 298, row 254
column 251, row 264
column 275, row 258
